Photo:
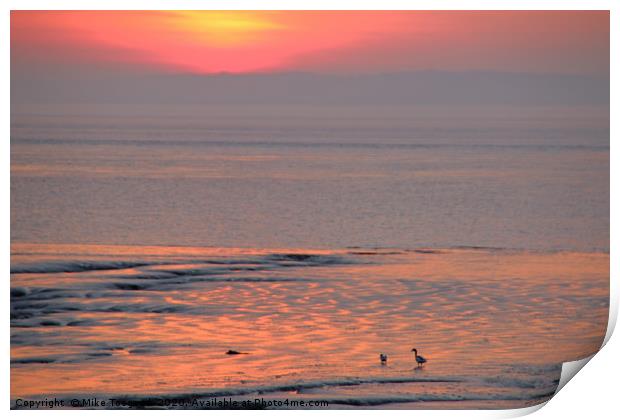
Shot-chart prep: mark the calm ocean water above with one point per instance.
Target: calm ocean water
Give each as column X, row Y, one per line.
column 144, row 248
column 267, row 183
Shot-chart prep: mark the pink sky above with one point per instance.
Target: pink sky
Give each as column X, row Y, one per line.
column 324, row 41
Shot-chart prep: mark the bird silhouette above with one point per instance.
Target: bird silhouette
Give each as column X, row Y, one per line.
column 421, row 360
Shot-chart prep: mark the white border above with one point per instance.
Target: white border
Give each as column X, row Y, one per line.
column 593, row 394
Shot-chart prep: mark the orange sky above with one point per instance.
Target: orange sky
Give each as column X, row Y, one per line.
column 327, row 41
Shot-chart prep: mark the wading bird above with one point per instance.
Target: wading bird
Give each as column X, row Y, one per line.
column 421, row 360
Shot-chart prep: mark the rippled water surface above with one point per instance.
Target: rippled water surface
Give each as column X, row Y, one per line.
column 143, row 249
column 141, row 321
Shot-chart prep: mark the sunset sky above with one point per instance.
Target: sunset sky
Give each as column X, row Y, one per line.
column 310, row 57
column 324, row 41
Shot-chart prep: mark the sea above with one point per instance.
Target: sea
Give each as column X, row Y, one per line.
column 146, row 248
